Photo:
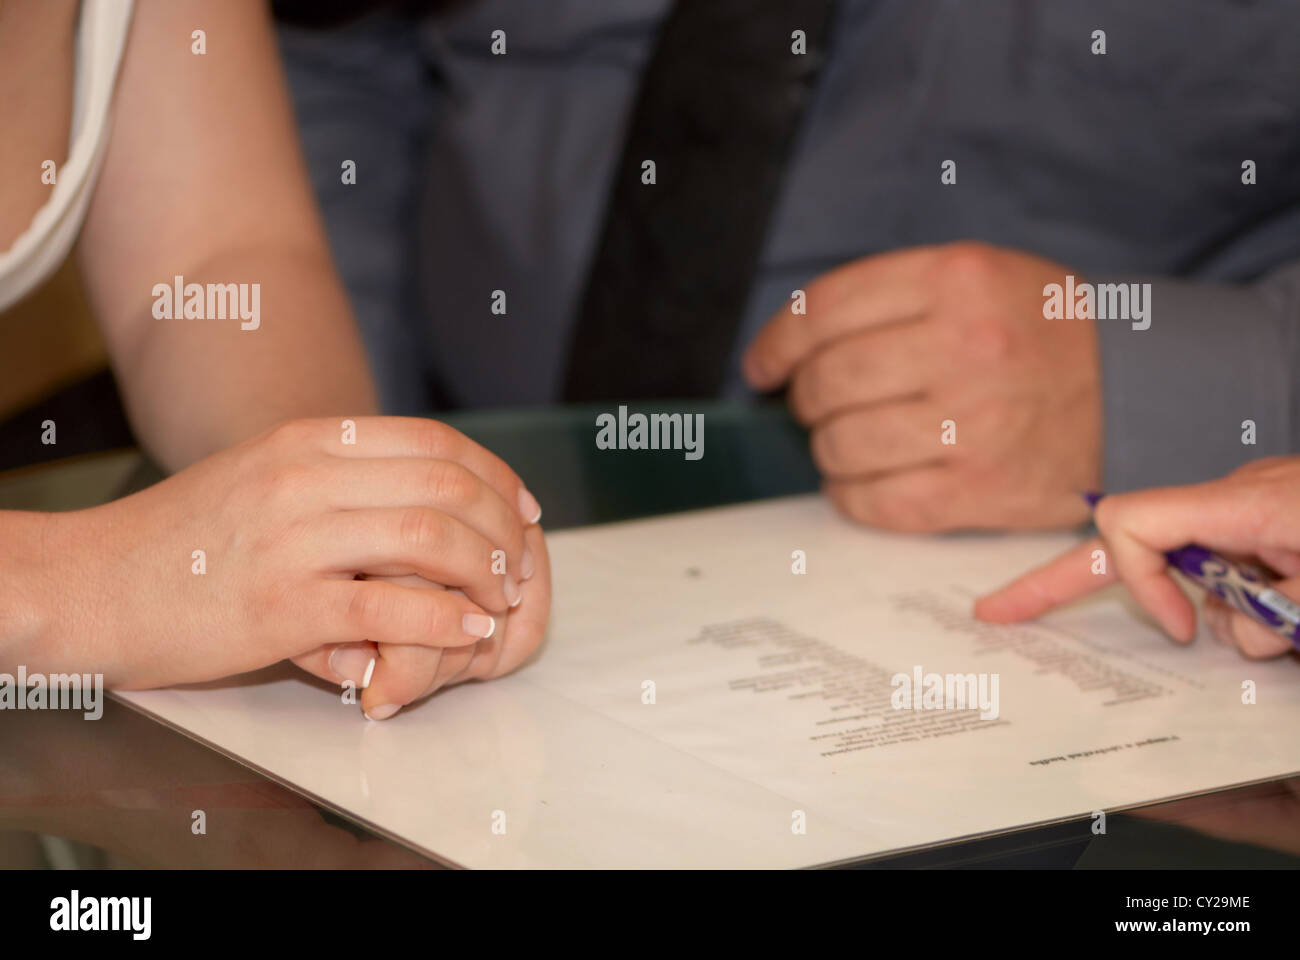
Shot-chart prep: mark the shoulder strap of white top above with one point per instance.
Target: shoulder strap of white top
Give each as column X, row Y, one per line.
column 38, row 251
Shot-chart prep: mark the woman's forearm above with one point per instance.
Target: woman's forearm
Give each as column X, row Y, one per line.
column 203, row 180
column 286, row 348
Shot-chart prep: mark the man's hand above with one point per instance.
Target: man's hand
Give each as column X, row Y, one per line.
column 895, row 346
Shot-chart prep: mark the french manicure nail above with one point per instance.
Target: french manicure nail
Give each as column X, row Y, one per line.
column 526, row 565
column 382, row 713
column 513, row 596
column 529, row 508
column 478, row 625
column 353, row 663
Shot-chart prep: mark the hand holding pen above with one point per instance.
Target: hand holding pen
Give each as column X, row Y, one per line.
column 1237, row 537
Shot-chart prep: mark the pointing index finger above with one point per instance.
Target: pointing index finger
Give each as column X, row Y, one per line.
column 1058, row 581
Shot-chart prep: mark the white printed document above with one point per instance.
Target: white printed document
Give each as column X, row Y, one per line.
column 769, row 685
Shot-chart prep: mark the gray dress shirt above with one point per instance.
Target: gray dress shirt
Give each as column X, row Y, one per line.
column 479, row 172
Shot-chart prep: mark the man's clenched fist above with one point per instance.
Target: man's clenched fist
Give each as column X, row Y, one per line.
column 937, row 394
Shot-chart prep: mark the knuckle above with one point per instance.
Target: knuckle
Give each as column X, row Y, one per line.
column 965, row 262
column 452, row 484
column 420, row 528
column 805, row 393
column 830, row 289
column 434, row 439
column 433, row 618
column 288, row 481
column 823, row 290
column 833, row 374
column 1106, row 516
column 364, row 607
column 291, row 434
column 826, row 450
column 845, row 363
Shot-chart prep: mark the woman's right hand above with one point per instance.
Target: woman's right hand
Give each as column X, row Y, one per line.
column 286, row 523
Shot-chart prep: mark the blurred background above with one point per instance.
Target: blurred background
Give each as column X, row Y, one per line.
column 53, row 366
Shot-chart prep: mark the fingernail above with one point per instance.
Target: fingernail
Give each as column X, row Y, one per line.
column 382, row 713
column 513, row 596
column 478, row 625
column 353, row 663
column 529, row 508
column 526, row 568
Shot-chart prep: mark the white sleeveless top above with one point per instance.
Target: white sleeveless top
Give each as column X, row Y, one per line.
column 38, row 251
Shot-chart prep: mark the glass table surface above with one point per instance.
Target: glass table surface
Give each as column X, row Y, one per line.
column 121, row 792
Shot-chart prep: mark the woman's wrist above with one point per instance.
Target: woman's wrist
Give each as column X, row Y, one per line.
column 23, row 611
column 39, row 606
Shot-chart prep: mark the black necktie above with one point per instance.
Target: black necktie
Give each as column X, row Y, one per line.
column 717, row 112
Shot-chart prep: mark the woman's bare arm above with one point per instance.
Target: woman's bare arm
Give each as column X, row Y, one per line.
column 204, row 180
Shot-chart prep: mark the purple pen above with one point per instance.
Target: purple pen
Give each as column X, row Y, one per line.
column 1242, row 586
